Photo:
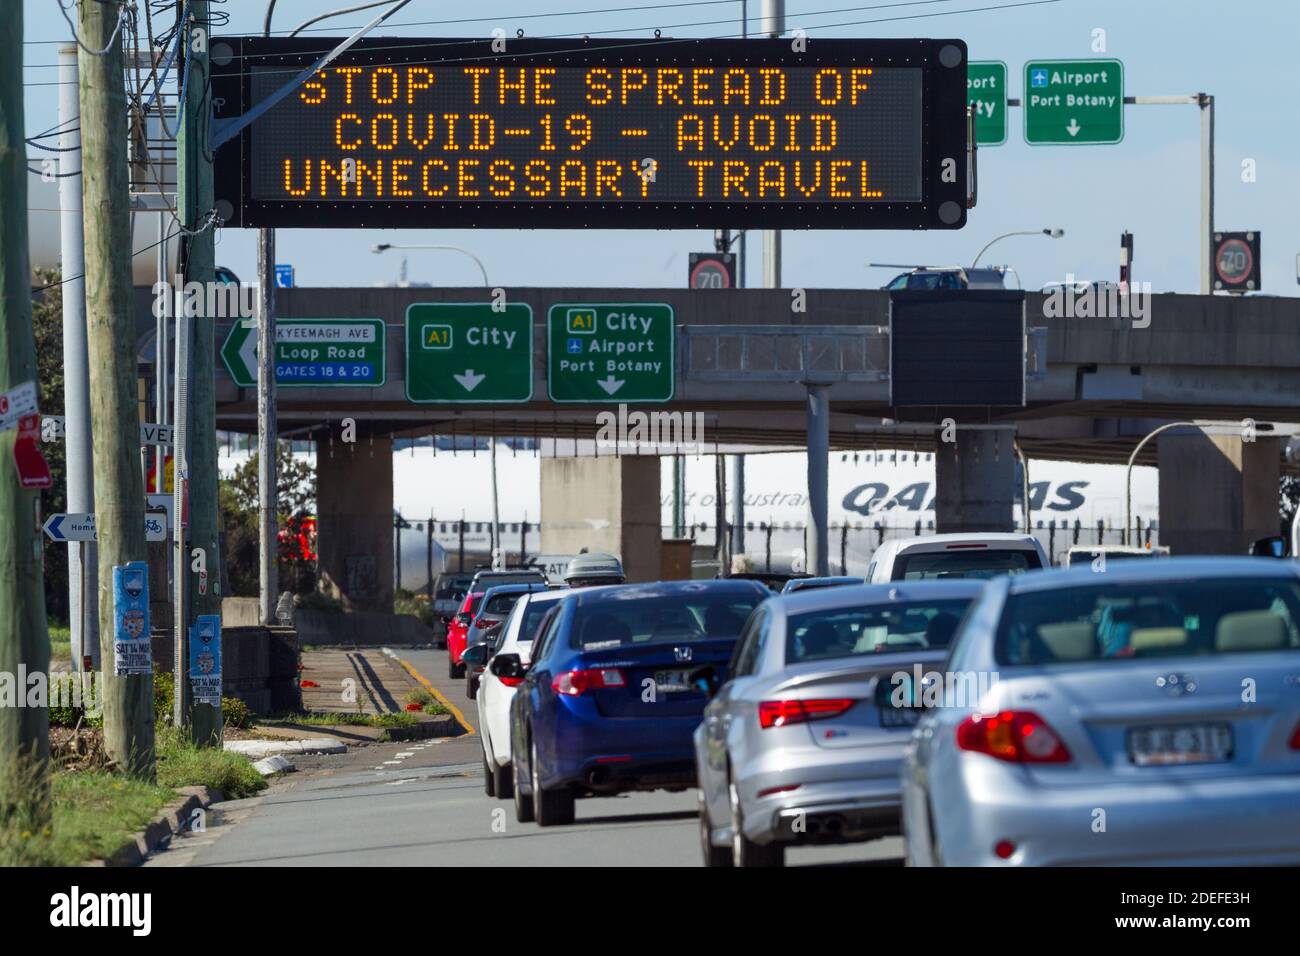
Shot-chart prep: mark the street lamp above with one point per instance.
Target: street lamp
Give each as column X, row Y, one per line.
column 1050, row 233
column 492, row 440
column 385, row 246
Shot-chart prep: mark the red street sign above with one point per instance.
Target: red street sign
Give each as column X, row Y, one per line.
column 33, row 469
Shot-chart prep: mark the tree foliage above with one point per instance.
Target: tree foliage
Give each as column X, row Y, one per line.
column 47, row 325
column 238, row 504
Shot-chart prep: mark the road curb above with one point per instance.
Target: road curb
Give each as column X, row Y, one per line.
column 174, row 818
column 465, row 725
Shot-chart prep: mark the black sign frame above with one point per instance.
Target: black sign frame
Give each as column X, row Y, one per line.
column 943, row 343
column 943, row 202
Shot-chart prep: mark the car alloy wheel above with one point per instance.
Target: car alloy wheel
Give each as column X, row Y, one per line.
column 523, row 802
column 744, row 851
column 713, row 855
column 489, row 778
column 551, row 807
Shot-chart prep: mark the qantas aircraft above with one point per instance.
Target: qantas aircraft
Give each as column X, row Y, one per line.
column 877, row 494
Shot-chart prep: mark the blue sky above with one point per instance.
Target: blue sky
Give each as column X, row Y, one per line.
column 1243, row 52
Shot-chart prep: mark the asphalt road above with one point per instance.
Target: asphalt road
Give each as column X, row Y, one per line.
column 422, row 803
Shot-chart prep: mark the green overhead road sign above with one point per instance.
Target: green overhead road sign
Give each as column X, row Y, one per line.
column 469, row 352
column 986, row 92
column 1073, row 102
column 610, row 352
column 312, row 353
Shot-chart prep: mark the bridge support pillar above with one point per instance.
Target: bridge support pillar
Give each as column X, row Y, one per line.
column 354, row 522
column 1218, row 493
column 608, row 504
column 975, row 479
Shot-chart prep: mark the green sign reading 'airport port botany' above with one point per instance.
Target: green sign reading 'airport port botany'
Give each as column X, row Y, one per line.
column 1073, row 102
column 610, row 352
column 986, row 92
column 469, row 352
column 312, row 353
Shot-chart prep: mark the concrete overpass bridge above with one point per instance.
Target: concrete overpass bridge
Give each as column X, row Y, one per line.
column 745, row 360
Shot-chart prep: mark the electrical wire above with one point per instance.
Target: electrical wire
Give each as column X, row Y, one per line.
column 112, row 40
column 659, row 40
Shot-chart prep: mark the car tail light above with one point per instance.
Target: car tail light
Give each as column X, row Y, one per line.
column 1019, row 736
column 511, row 681
column 1004, row 849
column 1295, row 738
column 781, row 713
column 573, row 683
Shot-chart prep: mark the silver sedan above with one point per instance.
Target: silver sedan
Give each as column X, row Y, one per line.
column 1144, row 714
column 804, row 741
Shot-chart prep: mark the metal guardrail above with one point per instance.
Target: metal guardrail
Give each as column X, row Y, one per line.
column 785, row 353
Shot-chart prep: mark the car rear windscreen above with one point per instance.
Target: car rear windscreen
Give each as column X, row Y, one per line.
column 534, row 611
column 878, row 629
column 1100, row 622
column 661, row 620
column 500, row 604
column 964, row 563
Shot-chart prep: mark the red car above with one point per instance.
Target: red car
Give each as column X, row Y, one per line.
column 458, row 631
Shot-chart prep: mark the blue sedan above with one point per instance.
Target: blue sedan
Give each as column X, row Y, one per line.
column 616, row 686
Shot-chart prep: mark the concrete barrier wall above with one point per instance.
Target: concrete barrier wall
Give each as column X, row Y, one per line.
column 359, row 628
column 259, row 665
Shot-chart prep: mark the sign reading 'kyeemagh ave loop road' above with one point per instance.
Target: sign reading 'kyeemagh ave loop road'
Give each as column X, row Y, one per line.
column 473, row 352
column 610, row 352
column 312, row 352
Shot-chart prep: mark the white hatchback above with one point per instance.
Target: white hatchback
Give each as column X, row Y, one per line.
column 967, row 555
column 495, row 693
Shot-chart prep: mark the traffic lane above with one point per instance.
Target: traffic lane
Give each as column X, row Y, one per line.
column 432, row 664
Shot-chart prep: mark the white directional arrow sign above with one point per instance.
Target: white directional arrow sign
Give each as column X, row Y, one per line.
column 468, row 380
column 1074, row 127
column 610, row 384
column 81, row 527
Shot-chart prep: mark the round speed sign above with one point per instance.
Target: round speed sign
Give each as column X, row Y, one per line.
column 1234, row 263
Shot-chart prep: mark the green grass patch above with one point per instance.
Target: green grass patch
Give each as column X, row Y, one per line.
column 93, row 813
column 327, row 718
column 181, row 764
column 60, row 643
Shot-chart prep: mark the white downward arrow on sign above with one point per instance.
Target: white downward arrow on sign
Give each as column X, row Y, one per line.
column 1074, row 127
column 468, row 379
column 610, row 384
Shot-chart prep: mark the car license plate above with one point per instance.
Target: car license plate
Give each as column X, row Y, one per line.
column 1176, row 744
column 672, row 681
column 899, row 716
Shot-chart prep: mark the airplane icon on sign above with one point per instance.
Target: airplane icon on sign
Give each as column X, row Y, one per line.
column 1038, row 78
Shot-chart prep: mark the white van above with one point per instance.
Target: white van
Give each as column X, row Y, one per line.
column 965, row 555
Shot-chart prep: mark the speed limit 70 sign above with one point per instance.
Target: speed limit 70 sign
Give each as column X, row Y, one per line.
column 712, row 270
column 1234, row 262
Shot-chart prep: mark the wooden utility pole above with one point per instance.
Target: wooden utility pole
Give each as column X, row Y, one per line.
column 110, row 319
column 24, row 640
column 195, row 199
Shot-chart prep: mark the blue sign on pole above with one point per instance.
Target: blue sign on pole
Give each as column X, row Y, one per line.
column 131, row 651
column 205, row 660
column 283, row 276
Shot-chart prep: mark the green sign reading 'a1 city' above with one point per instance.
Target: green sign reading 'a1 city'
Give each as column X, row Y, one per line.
column 986, row 92
column 610, row 352
column 311, row 353
column 1074, row 102
column 472, row 352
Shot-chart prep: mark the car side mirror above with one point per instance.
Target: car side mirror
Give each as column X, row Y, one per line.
column 508, row 665
column 475, row 656
column 1274, row 546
